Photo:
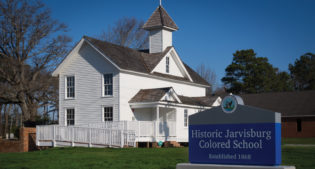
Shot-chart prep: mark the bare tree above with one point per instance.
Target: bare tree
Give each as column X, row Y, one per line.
column 31, row 44
column 7, row 111
column 54, row 98
column 209, row 75
column 127, row 32
column 16, row 114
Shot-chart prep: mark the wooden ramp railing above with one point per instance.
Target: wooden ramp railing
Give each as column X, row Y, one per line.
column 54, row 135
column 144, row 130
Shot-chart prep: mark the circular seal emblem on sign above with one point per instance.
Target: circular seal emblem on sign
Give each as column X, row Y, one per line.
column 229, row 104
column 160, row 143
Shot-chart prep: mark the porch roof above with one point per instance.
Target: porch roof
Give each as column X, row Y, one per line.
column 149, row 95
column 156, row 95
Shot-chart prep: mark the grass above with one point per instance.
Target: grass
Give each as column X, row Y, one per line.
column 86, row 158
column 140, row 158
column 300, row 157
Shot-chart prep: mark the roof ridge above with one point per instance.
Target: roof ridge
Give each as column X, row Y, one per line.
column 112, row 43
column 161, row 16
column 145, row 63
column 131, row 59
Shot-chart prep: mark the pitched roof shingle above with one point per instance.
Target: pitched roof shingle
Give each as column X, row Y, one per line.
column 289, row 104
column 149, row 95
column 140, row 61
column 155, row 95
column 158, row 19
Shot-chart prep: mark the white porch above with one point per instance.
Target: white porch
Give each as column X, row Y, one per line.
column 107, row 134
column 155, row 123
column 151, row 122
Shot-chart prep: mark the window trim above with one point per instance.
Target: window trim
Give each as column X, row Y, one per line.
column 103, row 85
column 167, row 64
column 66, row 116
column 185, row 118
column 66, row 87
column 103, row 112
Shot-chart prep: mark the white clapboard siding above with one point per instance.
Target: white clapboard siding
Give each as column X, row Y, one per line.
column 131, row 84
column 181, row 130
column 173, row 67
column 155, row 43
column 88, row 67
column 166, row 39
column 160, row 39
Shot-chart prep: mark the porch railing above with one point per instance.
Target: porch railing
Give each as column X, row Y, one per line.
column 111, row 134
column 85, row 135
column 152, row 129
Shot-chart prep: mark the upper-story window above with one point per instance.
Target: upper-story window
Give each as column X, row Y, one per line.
column 108, row 84
column 70, row 86
column 167, row 65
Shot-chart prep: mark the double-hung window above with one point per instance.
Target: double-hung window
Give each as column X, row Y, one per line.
column 70, row 87
column 108, row 113
column 185, row 118
column 167, row 65
column 70, row 117
column 108, row 84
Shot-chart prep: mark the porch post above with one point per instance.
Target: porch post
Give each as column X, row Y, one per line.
column 54, row 135
column 157, row 123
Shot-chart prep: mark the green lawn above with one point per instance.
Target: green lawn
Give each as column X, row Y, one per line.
column 300, row 157
column 88, row 158
column 166, row 158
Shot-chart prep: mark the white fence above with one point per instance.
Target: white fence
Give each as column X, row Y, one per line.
column 84, row 136
column 144, row 130
column 107, row 134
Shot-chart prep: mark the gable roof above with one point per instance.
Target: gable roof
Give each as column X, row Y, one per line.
column 140, row 60
column 160, row 19
column 180, row 65
column 289, row 104
column 155, row 95
column 149, row 95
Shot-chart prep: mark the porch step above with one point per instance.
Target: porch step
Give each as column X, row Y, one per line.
column 171, row 144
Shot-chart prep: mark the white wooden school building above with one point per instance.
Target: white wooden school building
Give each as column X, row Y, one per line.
column 110, row 95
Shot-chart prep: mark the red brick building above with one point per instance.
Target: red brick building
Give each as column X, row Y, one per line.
column 297, row 110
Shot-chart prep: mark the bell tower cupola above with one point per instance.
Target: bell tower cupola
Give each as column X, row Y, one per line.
column 160, row 26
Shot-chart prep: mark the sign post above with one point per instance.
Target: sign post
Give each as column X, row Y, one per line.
column 234, row 135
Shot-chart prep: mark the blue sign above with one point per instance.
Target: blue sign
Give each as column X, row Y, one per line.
column 252, row 144
column 235, row 134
